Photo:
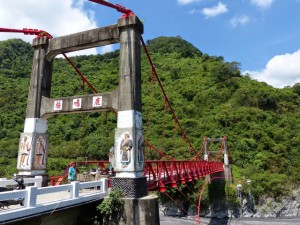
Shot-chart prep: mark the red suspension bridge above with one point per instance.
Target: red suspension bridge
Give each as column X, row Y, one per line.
column 164, row 166
column 163, row 172
column 167, row 172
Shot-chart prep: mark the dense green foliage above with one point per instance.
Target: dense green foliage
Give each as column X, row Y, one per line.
column 111, row 209
column 210, row 97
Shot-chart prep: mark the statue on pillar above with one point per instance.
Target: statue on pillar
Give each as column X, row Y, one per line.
column 125, row 149
column 40, row 152
column 33, row 152
column 24, row 151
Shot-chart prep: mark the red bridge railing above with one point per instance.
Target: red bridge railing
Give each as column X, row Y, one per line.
column 159, row 173
column 170, row 173
column 57, row 180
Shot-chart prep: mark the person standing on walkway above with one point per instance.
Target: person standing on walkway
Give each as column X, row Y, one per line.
column 72, row 173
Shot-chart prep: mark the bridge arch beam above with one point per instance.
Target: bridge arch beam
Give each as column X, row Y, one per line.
column 126, row 99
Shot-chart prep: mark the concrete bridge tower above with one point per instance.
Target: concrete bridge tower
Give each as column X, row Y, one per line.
column 33, row 146
column 126, row 100
column 227, row 168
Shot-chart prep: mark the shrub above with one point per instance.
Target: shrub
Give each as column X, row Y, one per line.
column 111, row 209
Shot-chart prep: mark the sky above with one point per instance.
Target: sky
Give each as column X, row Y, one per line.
column 262, row 35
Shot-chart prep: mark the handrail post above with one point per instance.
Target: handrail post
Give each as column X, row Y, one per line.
column 31, row 196
column 38, row 182
column 104, row 186
column 74, row 189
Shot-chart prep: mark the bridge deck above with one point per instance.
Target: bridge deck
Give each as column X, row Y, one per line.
column 49, row 199
column 53, row 197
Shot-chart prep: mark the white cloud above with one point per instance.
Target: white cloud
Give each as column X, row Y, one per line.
column 57, row 17
column 185, row 2
column 215, row 10
column 240, row 20
column 280, row 71
column 262, row 4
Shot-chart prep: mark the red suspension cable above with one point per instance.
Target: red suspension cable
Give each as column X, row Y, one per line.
column 176, row 203
column 198, row 155
column 150, row 104
column 126, row 12
column 186, row 197
column 161, row 154
column 175, row 131
column 164, row 126
column 200, row 196
column 41, row 33
column 27, row 31
column 80, row 74
column 219, row 152
column 165, row 95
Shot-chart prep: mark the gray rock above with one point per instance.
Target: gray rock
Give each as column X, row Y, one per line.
column 288, row 207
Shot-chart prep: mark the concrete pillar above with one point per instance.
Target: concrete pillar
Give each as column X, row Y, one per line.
column 205, row 149
column 227, row 168
column 207, row 177
column 226, row 160
column 33, row 145
column 142, row 211
column 129, row 137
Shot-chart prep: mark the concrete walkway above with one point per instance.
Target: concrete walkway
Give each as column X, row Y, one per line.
column 53, row 197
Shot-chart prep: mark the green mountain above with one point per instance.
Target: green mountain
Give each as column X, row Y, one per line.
column 210, row 97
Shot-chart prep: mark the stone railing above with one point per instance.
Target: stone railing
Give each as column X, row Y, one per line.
column 36, row 181
column 39, row 200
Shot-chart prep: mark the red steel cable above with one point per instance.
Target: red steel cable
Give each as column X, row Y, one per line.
column 158, row 151
column 176, row 203
column 80, row 74
column 200, row 196
column 119, row 8
column 150, row 104
column 175, row 131
column 40, row 33
column 165, row 95
column 186, row 196
column 27, row 31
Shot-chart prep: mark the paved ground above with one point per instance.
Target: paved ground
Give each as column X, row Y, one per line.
column 164, row 220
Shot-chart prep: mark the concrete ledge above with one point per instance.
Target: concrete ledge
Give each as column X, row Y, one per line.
column 83, row 40
column 142, row 211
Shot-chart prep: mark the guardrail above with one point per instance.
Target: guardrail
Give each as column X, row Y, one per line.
column 36, row 181
column 39, row 200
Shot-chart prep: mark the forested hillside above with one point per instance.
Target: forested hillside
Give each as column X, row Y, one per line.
column 210, row 97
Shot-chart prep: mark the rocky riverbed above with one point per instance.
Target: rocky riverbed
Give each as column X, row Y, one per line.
column 167, row 220
column 268, row 207
column 288, row 207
